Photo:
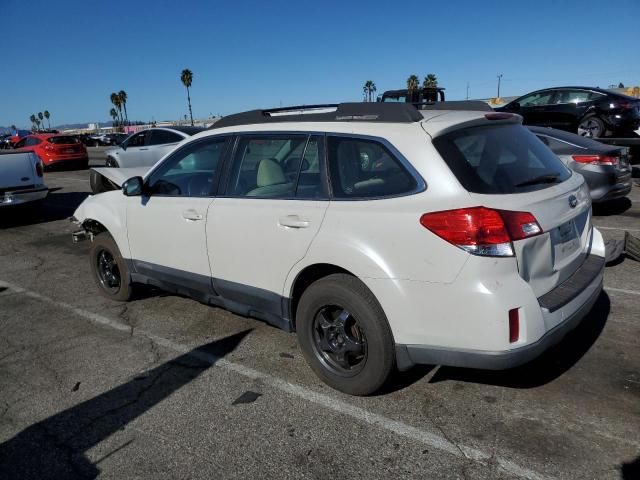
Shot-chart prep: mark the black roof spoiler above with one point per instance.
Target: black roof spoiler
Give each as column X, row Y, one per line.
column 458, row 105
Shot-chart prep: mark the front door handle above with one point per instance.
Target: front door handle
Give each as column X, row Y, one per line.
column 143, row 149
column 191, row 215
column 293, row 221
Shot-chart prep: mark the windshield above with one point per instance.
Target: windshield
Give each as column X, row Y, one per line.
column 496, row 159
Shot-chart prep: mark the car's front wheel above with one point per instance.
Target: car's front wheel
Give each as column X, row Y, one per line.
column 109, row 269
column 344, row 335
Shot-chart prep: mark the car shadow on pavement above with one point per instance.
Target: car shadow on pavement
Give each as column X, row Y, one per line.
column 612, row 207
column 55, row 447
column 57, row 206
column 631, row 470
column 550, row 365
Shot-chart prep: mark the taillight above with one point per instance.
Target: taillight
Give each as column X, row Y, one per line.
column 596, row 159
column 39, row 168
column 482, row 231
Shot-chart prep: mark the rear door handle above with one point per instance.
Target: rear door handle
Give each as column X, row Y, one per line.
column 293, row 221
column 191, row 215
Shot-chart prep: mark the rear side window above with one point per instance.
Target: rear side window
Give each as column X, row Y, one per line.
column 362, row 168
column 160, row 137
column 63, row 140
column 500, row 159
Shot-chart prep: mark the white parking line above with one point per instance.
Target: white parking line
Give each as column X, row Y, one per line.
column 618, row 228
column 426, row 437
column 622, row 290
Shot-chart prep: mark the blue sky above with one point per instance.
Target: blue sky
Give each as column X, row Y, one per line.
column 68, row 56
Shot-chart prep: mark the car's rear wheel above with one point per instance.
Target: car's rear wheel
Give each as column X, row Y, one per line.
column 344, row 335
column 109, row 269
column 591, row 127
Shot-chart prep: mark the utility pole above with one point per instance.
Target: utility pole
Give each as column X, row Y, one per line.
column 467, row 90
column 499, row 78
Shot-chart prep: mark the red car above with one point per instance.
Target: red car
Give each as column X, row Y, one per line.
column 55, row 149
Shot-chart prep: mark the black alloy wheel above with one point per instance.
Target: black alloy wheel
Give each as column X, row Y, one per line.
column 339, row 342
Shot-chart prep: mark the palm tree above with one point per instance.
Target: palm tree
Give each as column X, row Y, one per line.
column 38, row 124
column 33, row 122
column 430, row 81
column 13, row 128
column 114, row 115
column 47, row 115
column 115, row 99
column 369, row 89
column 41, row 117
column 412, row 83
column 187, row 79
column 123, row 100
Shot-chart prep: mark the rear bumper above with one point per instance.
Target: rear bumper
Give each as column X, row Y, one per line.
column 571, row 300
column 20, row 197
column 66, row 160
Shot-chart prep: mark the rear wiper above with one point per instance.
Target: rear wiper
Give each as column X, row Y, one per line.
column 548, row 178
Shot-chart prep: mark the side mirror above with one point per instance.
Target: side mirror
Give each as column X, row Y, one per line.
column 514, row 106
column 133, row 187
column 124, row 145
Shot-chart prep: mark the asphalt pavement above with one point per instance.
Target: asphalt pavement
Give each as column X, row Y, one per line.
column 165, row 387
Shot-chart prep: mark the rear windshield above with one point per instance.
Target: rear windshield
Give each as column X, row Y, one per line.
column 500, row 159
column 63, row 140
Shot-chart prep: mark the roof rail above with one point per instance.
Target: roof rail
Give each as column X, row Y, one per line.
column 473, row 105
column 342, row 112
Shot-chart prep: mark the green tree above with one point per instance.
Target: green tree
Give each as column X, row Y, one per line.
column 33, row 122
column 187, row 79
column 47, row 115
column 41, row 117
column 123, row 100
column 369, row 89
column 114, row 116
column 430, row 81
column 37, row 124
column 115, row 100
column 412, row 82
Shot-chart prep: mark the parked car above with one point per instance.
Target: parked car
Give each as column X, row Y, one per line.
column 55, row 150
column 589, row 112
column 605, row 168
column 146, row 147
column 21, row 179
column 418, row 95
column 384, row 235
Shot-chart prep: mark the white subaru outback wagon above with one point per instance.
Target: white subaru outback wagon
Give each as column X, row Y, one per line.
column 384, row 235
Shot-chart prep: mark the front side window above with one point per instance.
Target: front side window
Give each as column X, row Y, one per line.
column 139, row 139
column 267, row 166
column 192, row 171
column 161, row 137
column 536, row 99
column 362, row 168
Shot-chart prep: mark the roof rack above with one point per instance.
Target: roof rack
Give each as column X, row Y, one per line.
column 342, row 112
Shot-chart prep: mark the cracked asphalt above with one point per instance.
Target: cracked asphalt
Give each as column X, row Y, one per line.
column 167, row 387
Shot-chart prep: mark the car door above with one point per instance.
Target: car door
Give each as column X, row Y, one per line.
column 162, row 142
column 566, row 108
column 532, row 107
column 167, row 225
column 273, row 206
column 134, row 150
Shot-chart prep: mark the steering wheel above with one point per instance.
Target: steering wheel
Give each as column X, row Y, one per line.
column 166, row 188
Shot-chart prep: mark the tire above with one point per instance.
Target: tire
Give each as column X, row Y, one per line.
column 365, row 332
column 104, row 249
column 591, row 127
